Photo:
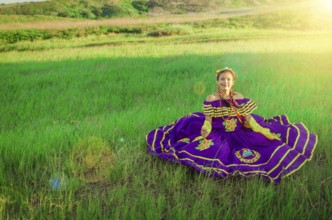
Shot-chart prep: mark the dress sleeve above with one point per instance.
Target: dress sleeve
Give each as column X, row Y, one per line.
column 213, row 109
column 208, row 109
column 248, row 106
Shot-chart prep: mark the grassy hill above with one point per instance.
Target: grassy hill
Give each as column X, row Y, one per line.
column 284, row 19
column 124, row 8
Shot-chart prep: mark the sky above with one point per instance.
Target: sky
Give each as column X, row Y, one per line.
column 18, row 1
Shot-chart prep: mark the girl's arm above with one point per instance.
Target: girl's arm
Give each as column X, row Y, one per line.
column 207, row 126
column 259, row 129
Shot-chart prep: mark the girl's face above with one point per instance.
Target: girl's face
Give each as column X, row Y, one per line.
column 225, row 81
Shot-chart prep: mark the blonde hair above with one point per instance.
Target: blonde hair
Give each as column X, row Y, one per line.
column 226, row 70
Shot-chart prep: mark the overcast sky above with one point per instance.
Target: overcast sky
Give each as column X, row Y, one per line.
column 18, row 1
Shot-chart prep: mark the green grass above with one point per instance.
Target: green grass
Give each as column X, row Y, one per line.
column 186, row 36
column 124, row 8
column 54, row 100
column 8, row 19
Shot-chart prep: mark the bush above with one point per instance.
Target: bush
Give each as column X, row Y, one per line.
column 141, row 6
column 70, row 12
column 154, row 3
column 130, row 30
column 113, row 10
column 93, row 31
column 96, row 11
column 67, row 34
column 88, row 14
column 31, row 35
column 171, row 30
column 32, row 8
column 23, row 35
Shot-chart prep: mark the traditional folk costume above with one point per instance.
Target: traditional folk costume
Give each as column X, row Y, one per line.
column 271, row 148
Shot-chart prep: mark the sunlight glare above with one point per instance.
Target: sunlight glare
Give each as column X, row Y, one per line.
column 327, row 5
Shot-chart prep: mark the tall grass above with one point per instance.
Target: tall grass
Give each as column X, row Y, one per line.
column 53, row 99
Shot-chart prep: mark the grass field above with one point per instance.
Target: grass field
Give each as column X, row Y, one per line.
column 73, row 121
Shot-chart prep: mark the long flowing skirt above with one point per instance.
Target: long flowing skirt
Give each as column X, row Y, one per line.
column 242, row 152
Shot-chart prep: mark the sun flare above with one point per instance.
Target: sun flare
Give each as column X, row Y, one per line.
column 327, row 5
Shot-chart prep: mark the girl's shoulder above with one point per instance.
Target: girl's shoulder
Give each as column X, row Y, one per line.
column 212, row 97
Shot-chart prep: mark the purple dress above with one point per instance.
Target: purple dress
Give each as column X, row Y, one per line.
column 233, row 148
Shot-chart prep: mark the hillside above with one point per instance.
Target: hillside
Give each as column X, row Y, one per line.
column 126, row 8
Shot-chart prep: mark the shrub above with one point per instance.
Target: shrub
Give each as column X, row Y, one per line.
column 70, row 12
column 130, row 30
column 141, row 6
column 113, row 10
column 171, row 30
column 66, row 34
column 154, row 3
column 88, row 14
column 31, row 35
column 23, row 35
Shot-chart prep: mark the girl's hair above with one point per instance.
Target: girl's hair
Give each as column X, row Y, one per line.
column 226, row 70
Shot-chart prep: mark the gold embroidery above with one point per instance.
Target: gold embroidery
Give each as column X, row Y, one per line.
column 198, row 138
column 244, row 110
column 247, row 153
column 185, row 140
column 230, row 124
column 204, row 144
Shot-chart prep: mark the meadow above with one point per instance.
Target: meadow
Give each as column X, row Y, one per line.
column 74, row 116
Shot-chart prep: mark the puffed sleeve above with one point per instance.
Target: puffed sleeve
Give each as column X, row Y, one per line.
column 208, row 109
column 247, row 107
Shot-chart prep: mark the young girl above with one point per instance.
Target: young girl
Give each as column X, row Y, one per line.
column 227, row 139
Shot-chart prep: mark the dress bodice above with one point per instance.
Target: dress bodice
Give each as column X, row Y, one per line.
column 227, row 114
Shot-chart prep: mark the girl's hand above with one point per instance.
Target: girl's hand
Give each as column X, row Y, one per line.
column 207, row 127
column 204, row 132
